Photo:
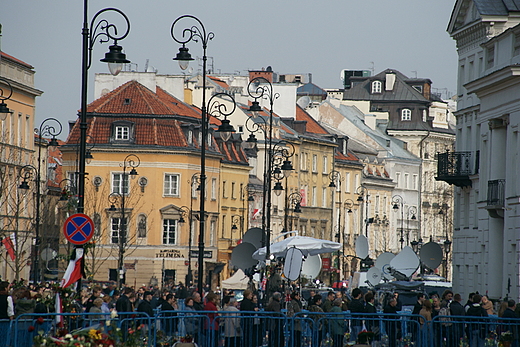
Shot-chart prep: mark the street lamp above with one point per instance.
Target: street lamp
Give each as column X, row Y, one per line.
column 49, row 127
column 411, row 214
column 447, row 248
column 363, row 195
column 120, row 192
column 396, row 201
column 197, row 33
column 349, row 204
column 104, row 31
column 187, row 213
column 4, row 110
column 293, row 200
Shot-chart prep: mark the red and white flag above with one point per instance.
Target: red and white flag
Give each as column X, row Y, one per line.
column 75, row 269
column 8, row 244
column 59, row 310
column 256, row 213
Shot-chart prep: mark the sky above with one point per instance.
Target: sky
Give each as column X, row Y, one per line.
column 292, row 36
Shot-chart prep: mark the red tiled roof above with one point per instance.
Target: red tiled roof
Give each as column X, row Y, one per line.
column 16, row 60
column 312, row 126
column 219, row 82
column 350, row 156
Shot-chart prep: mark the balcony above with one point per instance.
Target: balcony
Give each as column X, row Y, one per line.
column 455, row 168
column 496, row 198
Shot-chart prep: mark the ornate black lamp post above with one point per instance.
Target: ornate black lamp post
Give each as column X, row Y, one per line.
column 411, row 214
column 198, row 33
column 49, row 127
column 131, row 162
column 187, row 213
column 4, row 110
column 293, row 200
column 398, row 203
column 363, row 195
column 103, row 30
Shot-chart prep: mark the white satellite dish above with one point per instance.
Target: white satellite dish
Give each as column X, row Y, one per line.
column 311, row 266
column 374, row 276
column 304, row 101
column 431, row 255
column 362, row 247
column 241, row 257
column 405, row 263
column 383, row 263
column 293, row 264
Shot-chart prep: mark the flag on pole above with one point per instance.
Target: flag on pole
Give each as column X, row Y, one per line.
column 256, row 213
column 75, row 269
column 8, row 244
column 59, row 310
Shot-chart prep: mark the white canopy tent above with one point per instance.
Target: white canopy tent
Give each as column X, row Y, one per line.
column 238, row 281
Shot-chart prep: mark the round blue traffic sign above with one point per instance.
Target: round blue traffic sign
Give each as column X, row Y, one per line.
column 78, row 229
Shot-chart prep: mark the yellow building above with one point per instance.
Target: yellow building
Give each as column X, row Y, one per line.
column 159, row 136
column 17, row 148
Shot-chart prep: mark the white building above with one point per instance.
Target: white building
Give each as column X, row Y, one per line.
column 485, row 165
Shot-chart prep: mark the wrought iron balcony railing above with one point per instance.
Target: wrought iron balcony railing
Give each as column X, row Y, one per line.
column 455, row 168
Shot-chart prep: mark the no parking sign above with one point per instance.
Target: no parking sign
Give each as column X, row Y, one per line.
column 78, row 229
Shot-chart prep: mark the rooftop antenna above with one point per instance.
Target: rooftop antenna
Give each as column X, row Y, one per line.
column 415, row 72
column 373, row 68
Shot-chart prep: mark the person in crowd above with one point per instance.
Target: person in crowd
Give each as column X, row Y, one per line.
column 197, row 302
column 168, row 306
column 417, row 307
column 191, row 323
column 511, row 325
column 436, row 305
column 392, row 325
column 456, row 309
column 6, row 302
column 257, row 330
column 293, row 307
column 318, row 314
column 116, row 294
column 276, row 337
column 40, row 306
column 96, row 308
column 105, row 307
column 487, row 305
column 502, row 308
column 372, row 322
column 96, row 293
column 231, row 319
column 23, row 303
column 327, row 304
column 337, row 325
column 212, row 323
column 357, row 306
column 123, row 304
column 247, row 305
column 469, row 303
column 399, row 305
column 477, row 330
column 145, row 306
column 426, row 314
column 344, row 303
column 447, row 297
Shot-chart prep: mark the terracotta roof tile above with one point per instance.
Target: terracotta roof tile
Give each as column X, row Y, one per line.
column 16, row 60
column 219, row 82
column 312, row 126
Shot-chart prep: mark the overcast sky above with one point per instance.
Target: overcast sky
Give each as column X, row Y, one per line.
column 293, row 36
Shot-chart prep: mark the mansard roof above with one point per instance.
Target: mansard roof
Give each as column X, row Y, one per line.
column 401, row 91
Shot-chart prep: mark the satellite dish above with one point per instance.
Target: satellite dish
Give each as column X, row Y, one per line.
column 383, row 263
column 293, row 264
column 311, row 266
column 431, row 255
column 241, row 257
column 304, row 101
column 254, row 236
column 374, row 276
column 362, row 247
column 404, row 264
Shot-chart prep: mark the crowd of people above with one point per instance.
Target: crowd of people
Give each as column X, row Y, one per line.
column 240, row 323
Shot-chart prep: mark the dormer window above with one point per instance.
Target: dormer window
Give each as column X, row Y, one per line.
column 406, row 114
column 190, row 137
column 376, row 87
column 122, row 131
column 418, row 88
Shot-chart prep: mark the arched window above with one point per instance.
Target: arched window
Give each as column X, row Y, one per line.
column 376, row 87
column 406, row 114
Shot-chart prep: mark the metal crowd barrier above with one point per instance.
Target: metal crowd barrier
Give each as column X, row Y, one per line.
column 262, row 329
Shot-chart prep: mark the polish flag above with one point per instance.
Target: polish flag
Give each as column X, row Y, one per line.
column 8, row 244
column 59, row 309
column 75, row 269
column 256, row 213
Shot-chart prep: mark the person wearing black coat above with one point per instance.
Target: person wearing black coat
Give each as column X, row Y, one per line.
column 510, row 325
column 247, row 305
column 123, row 304
column 356, row 305
column 456, row 309
column 392, row 325
column 476, row 331
column 170, row 323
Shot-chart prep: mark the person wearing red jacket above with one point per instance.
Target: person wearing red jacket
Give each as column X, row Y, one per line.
column 212, row 324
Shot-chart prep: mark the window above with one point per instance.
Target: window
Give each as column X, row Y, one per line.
column 194, row 186
column 122, row 132
column 314, row 196
column 414, row 182
column 376, row 87
column 406, row 181
column 347, row 182
column 224, row 183
column 516, row 45
column 213, row 189
column 190, row 137
column 398, row 179
column 212, row 231
column 233, row 196
column 406, row 114
column 120, row 184
column 490, row 57
column 118, row 229
column 303, row 161
column 141, row 226
column 169, row 231
column 171, row 185
column 314, row 163
column 325, row 165
column 324, row 197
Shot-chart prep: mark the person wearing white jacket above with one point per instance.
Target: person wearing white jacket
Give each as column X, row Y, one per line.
column 231, row 322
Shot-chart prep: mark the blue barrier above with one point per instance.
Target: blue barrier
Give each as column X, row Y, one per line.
column 261, row 329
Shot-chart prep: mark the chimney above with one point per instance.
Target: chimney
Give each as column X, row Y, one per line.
column 265, row 73
column 390, row 81
column 299, row 126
